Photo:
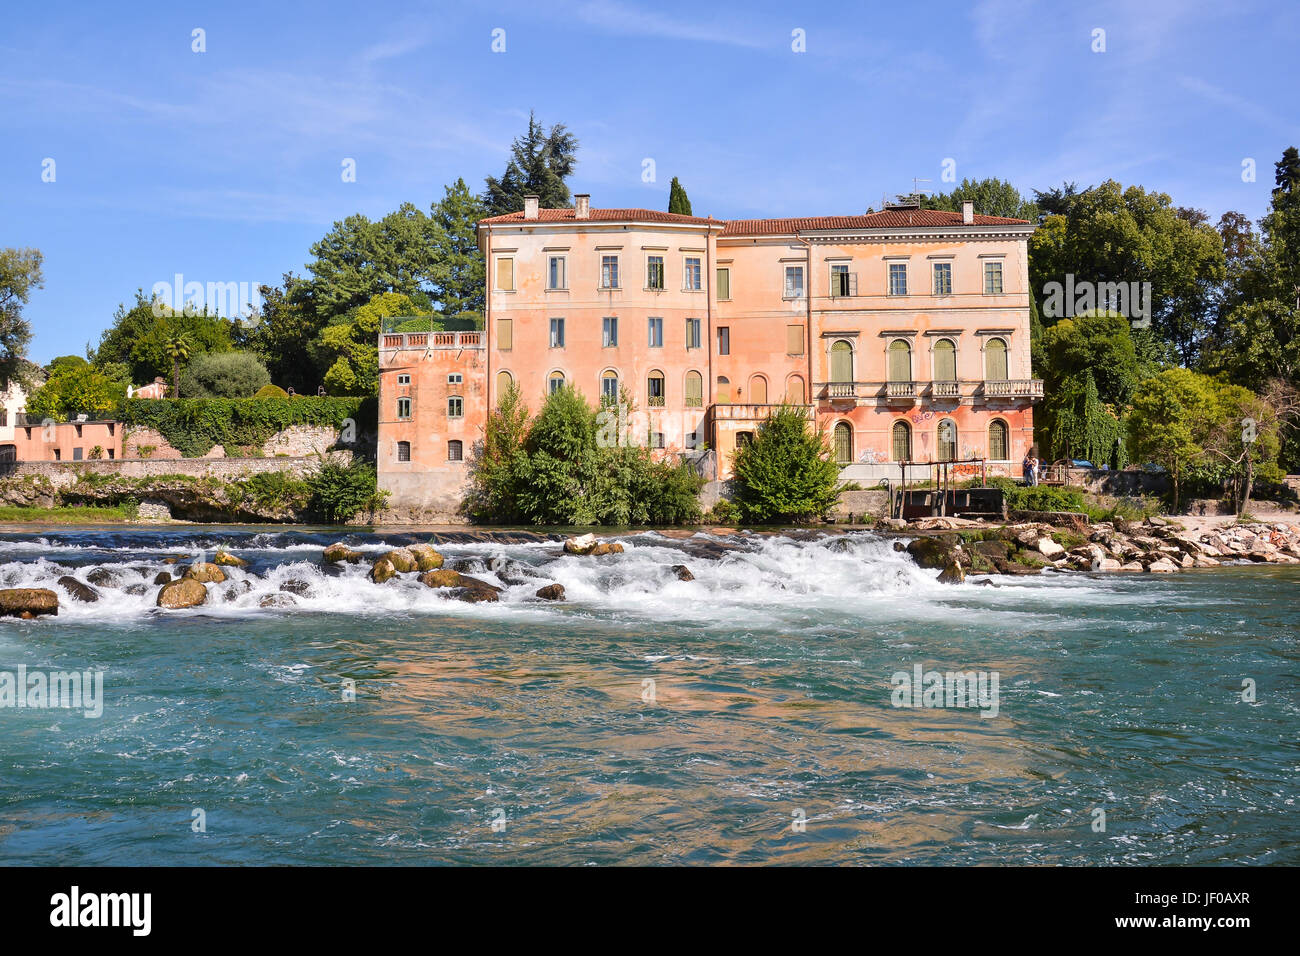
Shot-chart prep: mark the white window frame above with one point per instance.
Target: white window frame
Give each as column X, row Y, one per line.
column 609, row 324
column 608, row 260
column 803, row 284
column 697, row 272
column 1002, row 276
column 653, row 323
column 553, row 329
column 889, row 277
column 563, row 285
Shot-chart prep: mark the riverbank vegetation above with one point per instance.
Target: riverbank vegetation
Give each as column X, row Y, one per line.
column 787, row 473
column 574, row 465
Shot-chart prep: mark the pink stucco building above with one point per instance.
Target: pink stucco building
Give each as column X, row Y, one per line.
column 903, row 333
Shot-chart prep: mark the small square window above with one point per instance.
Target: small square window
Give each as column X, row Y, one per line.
column 993, row 278
column 609, row 272
column 794, row 282
column 403, row 380
column 455, row 378
column 898, row 278
column 692, row 277
column 943, row 278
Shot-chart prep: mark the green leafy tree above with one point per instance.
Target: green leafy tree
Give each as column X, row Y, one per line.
column 20, row 274
column 991, row 197
column 77, row 390
column 496, row 465
column 1109, row 234
column 348, row 347
column 282, row 329
column 1173, row 415
column 541, row 161
column 1090, row 369
column 64, row 363
column 339, row 492
column 1244, row 439
column 359, row 259
column 224, row 375
column 678, row 201
column 138, row 337
column 787, row 473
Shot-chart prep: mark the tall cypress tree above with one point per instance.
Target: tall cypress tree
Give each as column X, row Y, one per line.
column 678, row 201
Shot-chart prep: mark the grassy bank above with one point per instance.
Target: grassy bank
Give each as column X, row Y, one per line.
column 66, row 515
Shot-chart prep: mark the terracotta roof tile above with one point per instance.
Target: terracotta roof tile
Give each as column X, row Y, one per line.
column 603, row 215
column 889, row 219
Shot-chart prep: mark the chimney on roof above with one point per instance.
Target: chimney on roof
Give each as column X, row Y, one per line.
column 582, row 206
column 967, row 213
column 530, row 206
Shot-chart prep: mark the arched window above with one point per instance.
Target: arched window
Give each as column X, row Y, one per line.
column 843, row 443
column 841, row 361
column 995, row 360
column 794, row 390
column 901, row 443
column 998, row 440
column 757, row 390
column 504, row 381
column 724, row 390
column 947, row 444
column 609, row 387
column 694, row 390
column 900, row 361
column 945, row 361
column 455, row 450
column 554, row 382
column 654, row 389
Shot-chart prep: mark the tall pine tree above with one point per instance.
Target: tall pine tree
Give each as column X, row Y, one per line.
column 540, row 162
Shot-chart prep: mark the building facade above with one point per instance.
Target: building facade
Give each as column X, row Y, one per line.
column 903, row 334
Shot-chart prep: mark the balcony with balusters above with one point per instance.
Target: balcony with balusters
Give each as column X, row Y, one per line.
column 909, row 393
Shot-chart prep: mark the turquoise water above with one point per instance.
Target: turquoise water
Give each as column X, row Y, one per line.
column 771, row 705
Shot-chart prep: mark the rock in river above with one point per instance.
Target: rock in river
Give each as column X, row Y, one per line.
column 77, row 590
column 187, row 592
column 552, row 592
column 28, row 602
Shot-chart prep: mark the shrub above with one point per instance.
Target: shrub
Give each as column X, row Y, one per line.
column 337, row 492
column 569, row 467
column 1037, row 497
column 271, row 391
column 786, row 473
column 224, row 375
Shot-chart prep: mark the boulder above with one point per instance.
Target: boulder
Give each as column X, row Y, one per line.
column 28, row 602
column 205, row 572
column 475, row 595
column 226, row 560
column 684, row 573
column 138, row 588
column 606, row 547
column 402, row 560
column 296, row 586
column 382, row 570
column 552, row 592
column 1048, row 548
column 187, row 592
column 236, row 590
column 104, row 577
column 1162, row 566
column 931, row 552
column 952, row 574
column 341, row 552
column 77, row 590
column 445, row 578
column 580, row 545
column 1132, row 566
column 277, row 600
column 162, row 577
column 426, row 558
column 1202, row 561
column 1106, row 564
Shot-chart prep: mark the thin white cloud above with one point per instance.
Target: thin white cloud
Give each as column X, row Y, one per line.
column 625, row 19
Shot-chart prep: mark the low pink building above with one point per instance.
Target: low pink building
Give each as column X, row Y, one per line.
column 904, row 335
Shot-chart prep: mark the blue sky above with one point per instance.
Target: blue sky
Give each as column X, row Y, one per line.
column 225, row 166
